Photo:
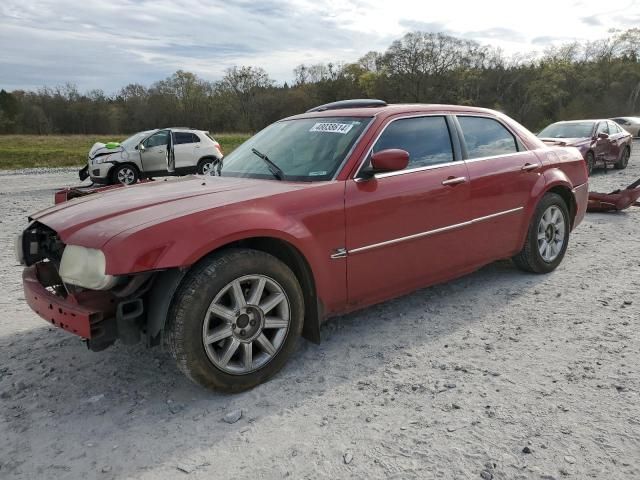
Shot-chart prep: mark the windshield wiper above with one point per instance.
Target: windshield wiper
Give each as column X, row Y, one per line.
column 273, row 168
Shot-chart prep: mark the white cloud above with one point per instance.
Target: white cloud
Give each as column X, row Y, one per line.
column 108, row 43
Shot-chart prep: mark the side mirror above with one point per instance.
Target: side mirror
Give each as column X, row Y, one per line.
column 140, row 146
column 603, row 135
column 389, row 160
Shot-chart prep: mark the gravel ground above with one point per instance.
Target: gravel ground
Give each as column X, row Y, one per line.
column 499, row 375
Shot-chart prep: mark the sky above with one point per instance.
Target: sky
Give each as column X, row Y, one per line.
column 106, row 44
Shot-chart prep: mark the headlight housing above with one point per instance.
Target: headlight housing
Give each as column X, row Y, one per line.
column 101, row 159
column 85, row 267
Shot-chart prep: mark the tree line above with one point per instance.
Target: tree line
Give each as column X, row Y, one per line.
column 598, row 78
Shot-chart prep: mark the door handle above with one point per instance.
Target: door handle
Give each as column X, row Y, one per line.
column 197, row 146
column 454, row 180
column 527, row 167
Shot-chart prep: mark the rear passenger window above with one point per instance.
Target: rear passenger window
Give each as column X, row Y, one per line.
column 195, row 138
column 613, row 128
column 603, row 128
column 486, row 137
column 183, row 137
column 426, row 139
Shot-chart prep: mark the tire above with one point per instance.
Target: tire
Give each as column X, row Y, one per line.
column 623, row 161
column 591, row 162
column 208, row 294
column 125, row 174
column 205, row 165
column 533, row 257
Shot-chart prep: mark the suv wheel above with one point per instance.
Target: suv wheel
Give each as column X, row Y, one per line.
column 547, row 237
column 235, row 319
column 206, row 165
column 125, row 174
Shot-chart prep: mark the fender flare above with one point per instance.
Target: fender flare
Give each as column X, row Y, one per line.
column 551, row 179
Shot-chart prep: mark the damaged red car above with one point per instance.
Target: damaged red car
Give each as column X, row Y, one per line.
column 347, row 205
column 602, row 143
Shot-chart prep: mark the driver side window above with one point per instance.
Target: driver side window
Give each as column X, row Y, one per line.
column 157, row 139
column 426, row 139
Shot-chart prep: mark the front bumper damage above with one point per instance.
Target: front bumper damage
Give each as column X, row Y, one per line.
column 87, row 314
column 99, row 317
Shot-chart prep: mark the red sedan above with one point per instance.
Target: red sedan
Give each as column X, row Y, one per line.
column 601, row 142
column 347, row 205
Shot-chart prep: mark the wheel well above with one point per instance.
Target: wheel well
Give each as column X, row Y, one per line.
column 207, row 157
column 569, row 200
column 293, row 258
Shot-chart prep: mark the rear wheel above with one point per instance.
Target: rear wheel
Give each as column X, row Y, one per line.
column 547, row 237
column 235, row 320
column 623, row 161
column 125, row 174
column 206, row 165
column 591, row 161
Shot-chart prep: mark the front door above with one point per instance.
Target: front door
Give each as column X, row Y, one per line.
column 405, row 229
column 154, row 155
column 503, row 175
column 601, row 148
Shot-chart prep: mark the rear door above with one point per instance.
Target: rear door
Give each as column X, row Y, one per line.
column 185, row 150
column 503, row 174
column 154, row 155
column 405, row 229
column 616, row 140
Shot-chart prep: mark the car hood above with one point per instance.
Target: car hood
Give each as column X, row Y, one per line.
column 98, row 149
column 94, row 219
column 565, row 142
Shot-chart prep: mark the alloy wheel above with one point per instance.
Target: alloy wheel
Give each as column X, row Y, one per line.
column 207, row 168
column 246, row 324
column 126, row 176
column 625, row 157
column 551, row 233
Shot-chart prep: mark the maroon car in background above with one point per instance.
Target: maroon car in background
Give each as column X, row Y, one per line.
column 601, row 142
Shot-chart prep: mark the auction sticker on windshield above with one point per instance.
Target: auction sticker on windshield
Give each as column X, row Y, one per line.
column 342, row 128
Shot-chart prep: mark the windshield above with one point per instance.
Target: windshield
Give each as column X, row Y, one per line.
column 567, row 130
column 133, row 140
column 308, row 149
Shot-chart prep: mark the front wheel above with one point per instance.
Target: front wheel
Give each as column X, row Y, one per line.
column 622, row 163
column 235, row 319
column 125, row 174
column 547, row 237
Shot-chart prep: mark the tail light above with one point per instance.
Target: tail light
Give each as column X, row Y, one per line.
column 219, row 148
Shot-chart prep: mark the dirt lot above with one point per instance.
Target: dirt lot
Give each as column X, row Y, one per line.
column 499, row 375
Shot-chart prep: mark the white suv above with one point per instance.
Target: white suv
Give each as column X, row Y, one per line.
column 154, row 153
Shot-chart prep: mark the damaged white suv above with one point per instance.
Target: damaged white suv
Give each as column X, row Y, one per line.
column 153, row 153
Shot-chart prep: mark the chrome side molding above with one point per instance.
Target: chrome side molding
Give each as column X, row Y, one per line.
column 431, row 232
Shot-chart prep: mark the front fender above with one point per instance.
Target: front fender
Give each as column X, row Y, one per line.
column 314, row 227
column 182, row 242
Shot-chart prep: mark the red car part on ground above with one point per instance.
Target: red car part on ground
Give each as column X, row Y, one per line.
column 361, row 236
column 616, row 200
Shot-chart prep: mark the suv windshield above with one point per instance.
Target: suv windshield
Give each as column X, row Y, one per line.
column 133, row 140
column 308, row 149
column 567, row 130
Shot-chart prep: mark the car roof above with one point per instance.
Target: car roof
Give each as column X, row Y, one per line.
column 393, row 109
column 581, row 121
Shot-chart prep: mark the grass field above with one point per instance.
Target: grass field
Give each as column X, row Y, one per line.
column 27, row 151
